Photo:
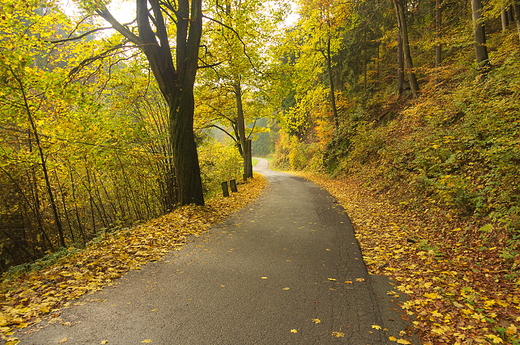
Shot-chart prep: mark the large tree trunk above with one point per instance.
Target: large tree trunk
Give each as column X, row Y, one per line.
column 184, row 148
column 480, row 36
column 400, row 6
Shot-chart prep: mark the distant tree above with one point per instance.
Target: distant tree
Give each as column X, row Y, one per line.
column 479, row 34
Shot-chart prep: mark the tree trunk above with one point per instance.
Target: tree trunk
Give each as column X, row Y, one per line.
column 504, row 19
column 516, row 12
column 400, row 65
column 438, row 47
column 401, row 22
column 332, row 90
column 241, row 129
column 174, row 78
column 184, row 148
column 43, row 161
column 480, row 36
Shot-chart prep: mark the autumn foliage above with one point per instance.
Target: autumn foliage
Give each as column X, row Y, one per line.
column 29, row 296
column 429, row 172
column 459, row 289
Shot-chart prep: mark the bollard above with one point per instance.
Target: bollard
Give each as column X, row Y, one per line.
column 233, row 185
column 225, row 191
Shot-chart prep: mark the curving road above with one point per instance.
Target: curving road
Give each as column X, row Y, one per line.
column 272, row 274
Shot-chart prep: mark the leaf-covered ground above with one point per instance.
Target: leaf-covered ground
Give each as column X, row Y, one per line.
column 28, row 298
column 458, row 277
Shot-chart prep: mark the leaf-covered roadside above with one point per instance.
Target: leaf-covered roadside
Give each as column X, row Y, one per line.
column 460, row 281
column 28, row 298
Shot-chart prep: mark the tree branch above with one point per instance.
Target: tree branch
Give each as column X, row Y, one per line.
column 80, row 36
column 89, row 60
column 208, row 66
column 106, row 15
column 223, row 130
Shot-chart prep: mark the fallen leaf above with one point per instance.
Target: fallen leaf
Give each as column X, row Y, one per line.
column 376, row 327
column 286, row 288
column 332, row 279
column 316, row 320
column 294, row 331
column 63, row 340
column 147, row 341
column 360, row 279
column 338, row 334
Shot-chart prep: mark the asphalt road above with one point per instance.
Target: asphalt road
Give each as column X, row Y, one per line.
column 272, row 274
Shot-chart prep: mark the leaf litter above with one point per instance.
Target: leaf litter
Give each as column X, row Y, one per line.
column 461, row 288
column 29, row 297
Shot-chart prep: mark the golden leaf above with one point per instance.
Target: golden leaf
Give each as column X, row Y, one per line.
column 147, row 341
column 338, row 334
column 316, row 320
column 294, row 331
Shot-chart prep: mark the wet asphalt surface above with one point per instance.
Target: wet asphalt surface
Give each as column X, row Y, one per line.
column 274, row 273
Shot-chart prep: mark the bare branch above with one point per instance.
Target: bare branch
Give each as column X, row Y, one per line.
column 90, row 60
column 80, row 36
column 223, row 130
column 209, row 66
column 105, row 14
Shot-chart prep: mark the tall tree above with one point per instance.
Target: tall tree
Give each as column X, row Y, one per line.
column 175, row 76
column 400, row 9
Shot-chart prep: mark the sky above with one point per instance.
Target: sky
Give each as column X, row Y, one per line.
column 124, row 10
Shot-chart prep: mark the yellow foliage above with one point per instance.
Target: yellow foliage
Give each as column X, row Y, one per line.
column 28, row 297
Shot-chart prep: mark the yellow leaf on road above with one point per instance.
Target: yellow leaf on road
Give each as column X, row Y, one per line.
column 316, row 320
column 338, row 334
column 147, row 341
column 376, row 327
column 294, row 331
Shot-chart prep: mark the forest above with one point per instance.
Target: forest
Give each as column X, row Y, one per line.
column 115, row 114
